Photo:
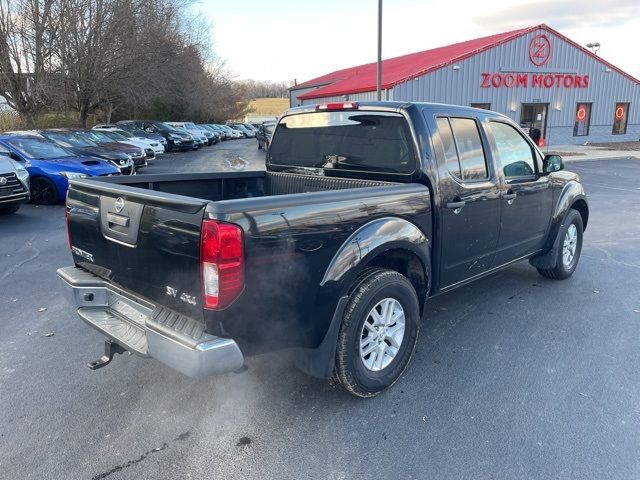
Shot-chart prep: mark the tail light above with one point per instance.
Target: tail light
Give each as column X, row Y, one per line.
column 324, row 107
column 221, row 263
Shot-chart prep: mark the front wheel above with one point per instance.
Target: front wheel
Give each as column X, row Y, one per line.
column 378, row 333
column 570, row 247
column 43, row 191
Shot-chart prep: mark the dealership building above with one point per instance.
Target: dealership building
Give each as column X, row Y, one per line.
column 554, row 88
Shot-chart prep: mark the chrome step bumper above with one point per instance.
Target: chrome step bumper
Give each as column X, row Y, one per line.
column 146, row 330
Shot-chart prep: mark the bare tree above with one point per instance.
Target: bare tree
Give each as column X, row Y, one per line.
column 28, row 31
column 90, row 50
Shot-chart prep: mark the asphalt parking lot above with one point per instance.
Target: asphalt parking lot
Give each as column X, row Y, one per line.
column 514, row 376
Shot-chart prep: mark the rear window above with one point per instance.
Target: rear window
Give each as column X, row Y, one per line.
column 345, row 140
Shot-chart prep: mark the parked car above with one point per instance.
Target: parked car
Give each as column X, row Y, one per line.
column 82, row 146
column 250, row 127
column 137, row 154
column 263, row 135
column 226, row 133
column 137, row 133
column 363, row 213
column 130, row 131
column 14, row 183
column 50, row 166
column 105, row 136
column 198, row 141
column 198, row 134
column 217, row 136
column 246, row 132
column 175, row 140
column 119, row 135
column 233, row 133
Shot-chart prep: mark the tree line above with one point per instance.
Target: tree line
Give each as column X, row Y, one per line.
column 113, row 59
column 265, row 89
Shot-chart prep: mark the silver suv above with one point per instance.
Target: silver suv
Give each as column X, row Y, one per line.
column 14, row 183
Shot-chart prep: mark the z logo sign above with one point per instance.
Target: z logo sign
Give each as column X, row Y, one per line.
column 539, row 50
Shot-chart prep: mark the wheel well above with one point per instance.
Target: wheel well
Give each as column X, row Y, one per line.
column 408, row 264
column 583, row 210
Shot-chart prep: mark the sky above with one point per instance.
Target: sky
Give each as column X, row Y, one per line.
column 283, row 40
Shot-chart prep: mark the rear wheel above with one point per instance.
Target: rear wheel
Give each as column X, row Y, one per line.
column 570, row 247
column 43, row 191
column 8, row 209
column 378, row 333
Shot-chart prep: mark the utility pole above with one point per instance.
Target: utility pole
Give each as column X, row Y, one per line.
column 379, row 66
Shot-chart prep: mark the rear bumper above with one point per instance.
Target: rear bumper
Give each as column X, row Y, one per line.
column 147, row 330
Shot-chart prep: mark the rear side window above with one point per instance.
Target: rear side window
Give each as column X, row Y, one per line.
column 470, row 151
column 449, row 146
column 345, row 140
column 463, row 149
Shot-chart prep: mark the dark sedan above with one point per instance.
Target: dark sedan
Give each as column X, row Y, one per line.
column 138, row 155
column 79, row 144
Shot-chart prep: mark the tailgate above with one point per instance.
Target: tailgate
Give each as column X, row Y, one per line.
column 144, row 241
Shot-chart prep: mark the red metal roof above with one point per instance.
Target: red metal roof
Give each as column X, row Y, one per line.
column 395, row 70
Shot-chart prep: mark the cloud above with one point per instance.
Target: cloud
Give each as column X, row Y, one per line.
column 562, row 14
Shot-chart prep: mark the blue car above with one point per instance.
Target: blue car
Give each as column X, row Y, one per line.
column 50, row 167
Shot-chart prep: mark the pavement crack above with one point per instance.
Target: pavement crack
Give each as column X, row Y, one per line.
column 609, row 257
column 27, row 247
column 128, row 464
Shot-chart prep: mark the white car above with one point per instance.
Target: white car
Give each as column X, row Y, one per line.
column 195, row 131
column 234, row 133
column 122, row 136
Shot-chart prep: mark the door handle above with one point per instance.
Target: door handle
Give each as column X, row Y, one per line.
column 510, row 196
column 455, row 205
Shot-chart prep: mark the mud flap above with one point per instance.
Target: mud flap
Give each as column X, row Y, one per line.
column 319, row 362
column 548, row 260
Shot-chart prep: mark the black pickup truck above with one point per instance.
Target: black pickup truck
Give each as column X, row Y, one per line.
column 365, row 210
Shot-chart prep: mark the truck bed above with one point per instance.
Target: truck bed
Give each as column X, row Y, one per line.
column 232, row 185
column 293, row 226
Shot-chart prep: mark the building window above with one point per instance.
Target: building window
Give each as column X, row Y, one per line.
column 485, row 106
column 620, row 119
column 583, row 119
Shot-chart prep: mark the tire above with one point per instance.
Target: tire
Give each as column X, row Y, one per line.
column 369, row 374
column 571, row 226
column 43, row 191
column 9, row 209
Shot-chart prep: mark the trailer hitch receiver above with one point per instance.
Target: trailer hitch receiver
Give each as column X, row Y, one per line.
column 110, row 349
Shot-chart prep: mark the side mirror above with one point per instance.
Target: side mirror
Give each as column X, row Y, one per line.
column 552, row 163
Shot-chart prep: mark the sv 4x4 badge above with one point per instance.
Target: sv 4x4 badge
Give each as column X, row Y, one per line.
column 186, row 298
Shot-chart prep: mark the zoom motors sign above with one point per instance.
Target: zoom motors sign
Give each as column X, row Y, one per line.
column 533, row 80
column 539, row 52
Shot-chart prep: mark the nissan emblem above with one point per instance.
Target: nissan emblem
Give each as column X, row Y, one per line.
column 119, row 204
